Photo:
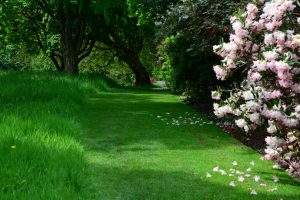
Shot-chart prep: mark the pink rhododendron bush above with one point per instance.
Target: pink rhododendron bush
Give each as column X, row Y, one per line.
column 264, row 48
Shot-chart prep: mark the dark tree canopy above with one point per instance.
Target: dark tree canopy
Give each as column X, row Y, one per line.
column 59, row 28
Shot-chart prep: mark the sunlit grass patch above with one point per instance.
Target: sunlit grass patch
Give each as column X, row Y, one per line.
column 41, row 156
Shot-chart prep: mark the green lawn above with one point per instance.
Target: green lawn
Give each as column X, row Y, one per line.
column 41, row 153
column 133, row 154
column 72, row 138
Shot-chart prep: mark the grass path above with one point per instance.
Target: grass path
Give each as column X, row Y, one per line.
column 133, row 154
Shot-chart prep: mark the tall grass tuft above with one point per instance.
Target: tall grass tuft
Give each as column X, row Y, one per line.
column 41, row 156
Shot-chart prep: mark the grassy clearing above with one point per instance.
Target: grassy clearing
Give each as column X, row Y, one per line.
column 41, row 154
column 127, row 145
column 133, row 154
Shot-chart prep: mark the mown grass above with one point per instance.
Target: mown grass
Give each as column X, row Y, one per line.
column 65, row 137
column 134, row 155
column 41, row 156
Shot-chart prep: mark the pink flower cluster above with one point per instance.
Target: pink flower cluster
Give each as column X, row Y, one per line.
column 265, row 43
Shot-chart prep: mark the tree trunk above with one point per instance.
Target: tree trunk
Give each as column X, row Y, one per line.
column 142, row 77
column 70, row 61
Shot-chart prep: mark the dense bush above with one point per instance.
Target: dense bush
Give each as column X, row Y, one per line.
column 266, row 46
column 187, row 35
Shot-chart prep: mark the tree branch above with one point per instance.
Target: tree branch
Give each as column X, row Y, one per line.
column 88, row 51
column 55, row 62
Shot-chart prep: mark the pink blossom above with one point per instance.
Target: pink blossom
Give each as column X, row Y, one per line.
column 266, row 45
column 291, row 122
column 251, row 8
column 269, row 39
column 241, row 123
column 255, row 48
column 273, row 25
column 275, row 94
column 270, row 55
column 260, row 65
column 280, row 37
column 255, row 76
column 289, row 5
column 221, row 73
column 255, row 118
column 247, row 95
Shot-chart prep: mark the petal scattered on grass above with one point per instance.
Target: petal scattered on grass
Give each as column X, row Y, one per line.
column 256, row 178
column 241, row 179
column 275, row 179
column 208, row 175
column 273, row 189
column 239, row 172
column 222, row 172
column 253, row 192
column 276, row 167
column 232, row 184
column 216, row 169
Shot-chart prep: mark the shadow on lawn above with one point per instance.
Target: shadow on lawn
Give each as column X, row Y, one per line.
column 115, row 123
column 136, row 184
column 283, row 179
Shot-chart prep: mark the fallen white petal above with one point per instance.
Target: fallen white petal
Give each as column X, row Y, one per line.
column 275, row 179
column 222, row 172
column 276, row 167
column 253, row 192
column 232, row 184
column 257, row 178
column 241, row 179
column 216, row 169
column 208, row 175
column 273, row 189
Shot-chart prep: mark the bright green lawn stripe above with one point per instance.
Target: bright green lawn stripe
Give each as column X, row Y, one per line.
column 133, row 155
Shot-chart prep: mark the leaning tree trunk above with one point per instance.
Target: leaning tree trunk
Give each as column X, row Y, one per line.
column 142, row 77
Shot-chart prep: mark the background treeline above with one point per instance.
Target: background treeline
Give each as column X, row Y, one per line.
column 133, row 41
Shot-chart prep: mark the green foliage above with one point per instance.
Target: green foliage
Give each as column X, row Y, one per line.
column 58, row 29
column 41, row 153
column 109, row 65
column 188, row 33
column 40, row 62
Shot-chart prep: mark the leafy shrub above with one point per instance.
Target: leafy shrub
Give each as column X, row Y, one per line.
column 265, row 45
column 188, row 33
